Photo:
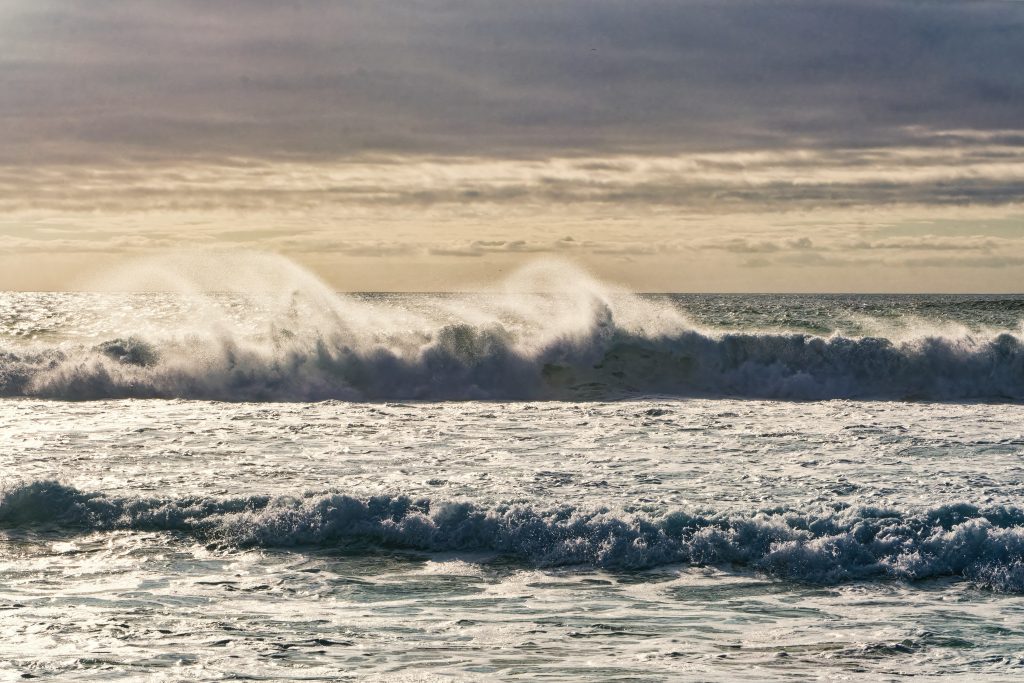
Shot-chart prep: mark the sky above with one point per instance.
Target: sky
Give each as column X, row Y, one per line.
column 726, row 145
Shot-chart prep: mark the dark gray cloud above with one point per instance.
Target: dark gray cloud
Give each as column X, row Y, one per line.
column 315, row 79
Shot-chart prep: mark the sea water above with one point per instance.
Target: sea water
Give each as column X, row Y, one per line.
column 246, row 475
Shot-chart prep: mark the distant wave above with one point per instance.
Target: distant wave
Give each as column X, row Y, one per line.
column 985, row 545
column 463, row 361
column 280, row 334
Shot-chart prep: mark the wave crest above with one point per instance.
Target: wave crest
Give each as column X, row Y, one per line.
column 549, row 332
column 465, row 362
column 985, row 545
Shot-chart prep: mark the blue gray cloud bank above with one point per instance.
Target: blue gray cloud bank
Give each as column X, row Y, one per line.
column 316, row 79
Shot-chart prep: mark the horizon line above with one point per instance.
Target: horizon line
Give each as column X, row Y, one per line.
column 492, row 292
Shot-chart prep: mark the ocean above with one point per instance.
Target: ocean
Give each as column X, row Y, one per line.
column 553, row 479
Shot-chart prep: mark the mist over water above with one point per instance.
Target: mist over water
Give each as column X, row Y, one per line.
column 257, row 327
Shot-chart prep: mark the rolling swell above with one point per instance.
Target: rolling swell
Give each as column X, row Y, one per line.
column 985, row 545
column 463, row 361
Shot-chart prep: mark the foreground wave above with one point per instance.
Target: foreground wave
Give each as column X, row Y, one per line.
column 488, row 362
column 985, row 545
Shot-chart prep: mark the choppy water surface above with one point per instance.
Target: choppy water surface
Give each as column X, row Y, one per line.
column 634, row 493
column 227, row 539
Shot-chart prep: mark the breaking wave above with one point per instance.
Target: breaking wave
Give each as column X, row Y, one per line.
column 985, row 545
column 550, row 332
column 467, row 362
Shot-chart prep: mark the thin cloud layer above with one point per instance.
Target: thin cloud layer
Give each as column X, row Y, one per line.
column 968, row 174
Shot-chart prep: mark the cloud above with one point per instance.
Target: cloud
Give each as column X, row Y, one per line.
column 374, row 249
column 788, row 135
column 935, row 243
column 974, row 174
column 316, row 79
column 113, row 245
column 478, row 248
column 968, row 261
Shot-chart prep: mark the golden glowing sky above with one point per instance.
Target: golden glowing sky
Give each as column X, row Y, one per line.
column 669, row 146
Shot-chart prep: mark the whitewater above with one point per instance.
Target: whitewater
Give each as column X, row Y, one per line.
column 215, row 467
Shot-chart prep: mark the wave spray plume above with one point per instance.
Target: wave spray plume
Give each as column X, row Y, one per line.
column 257, row 327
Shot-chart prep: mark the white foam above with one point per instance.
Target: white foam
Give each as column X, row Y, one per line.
column 275, row 332
column 820, row 546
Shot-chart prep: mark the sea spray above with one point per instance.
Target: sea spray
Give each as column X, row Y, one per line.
column 257, row 327
column 461, row 361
